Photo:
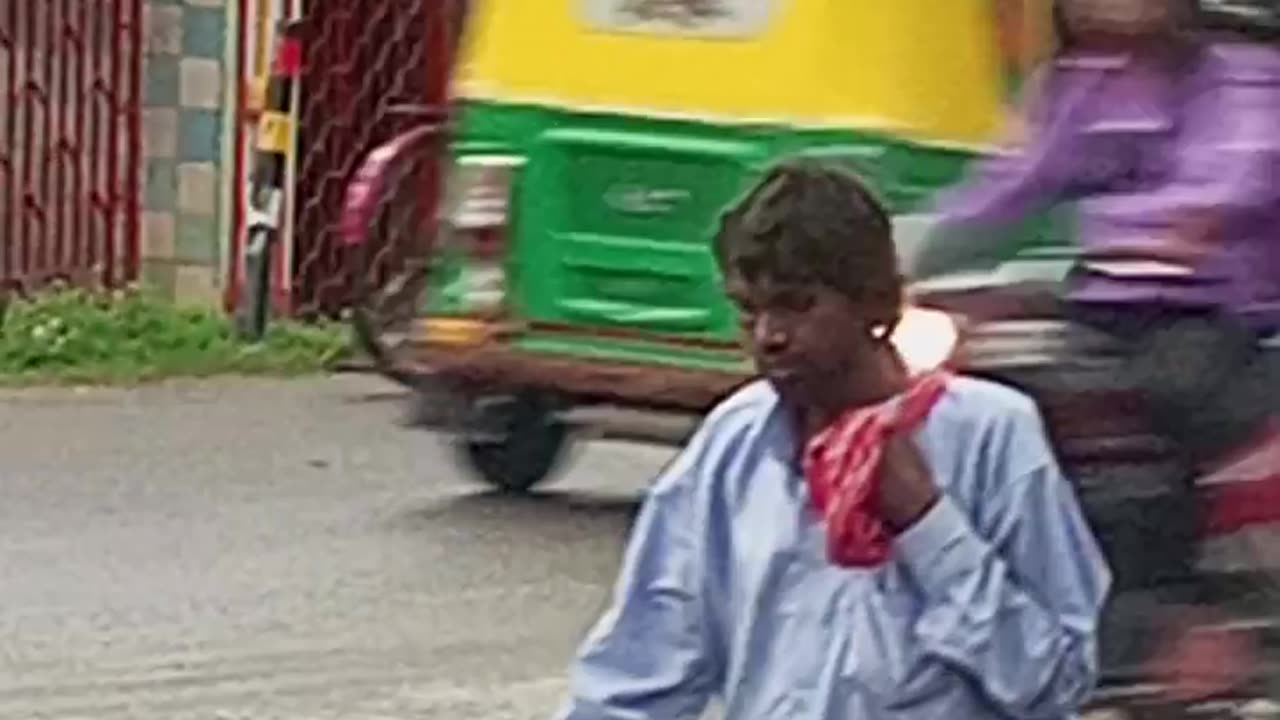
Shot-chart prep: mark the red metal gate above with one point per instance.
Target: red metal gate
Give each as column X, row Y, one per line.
column 70, row 141
column 372, row 69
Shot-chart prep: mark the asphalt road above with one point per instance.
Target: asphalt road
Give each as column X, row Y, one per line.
column 256, row 550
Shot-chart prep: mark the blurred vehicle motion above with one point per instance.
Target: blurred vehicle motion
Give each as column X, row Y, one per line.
column 571, row 260
column 568, row 289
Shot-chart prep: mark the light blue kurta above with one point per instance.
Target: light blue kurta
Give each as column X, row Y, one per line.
column 989, row 608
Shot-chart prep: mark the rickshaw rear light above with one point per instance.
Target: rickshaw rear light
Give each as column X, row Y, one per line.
column 480, row 191
column 486, row 270
column 479, row 215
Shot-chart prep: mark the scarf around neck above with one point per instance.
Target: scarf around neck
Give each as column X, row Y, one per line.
column 842, row 465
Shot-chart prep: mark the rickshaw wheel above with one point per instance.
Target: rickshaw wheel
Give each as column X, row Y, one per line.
column 382, row 322
column 514, row 442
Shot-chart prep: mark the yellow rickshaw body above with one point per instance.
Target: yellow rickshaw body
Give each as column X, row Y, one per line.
column 926, row 70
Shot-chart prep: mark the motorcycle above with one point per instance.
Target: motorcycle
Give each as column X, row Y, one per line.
column 1137, row 491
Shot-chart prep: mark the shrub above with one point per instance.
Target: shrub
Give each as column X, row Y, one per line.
column 70, row 335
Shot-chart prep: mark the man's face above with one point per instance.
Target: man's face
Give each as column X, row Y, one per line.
column 803, row 337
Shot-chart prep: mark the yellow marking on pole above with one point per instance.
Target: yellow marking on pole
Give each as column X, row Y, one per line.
column 275, row 133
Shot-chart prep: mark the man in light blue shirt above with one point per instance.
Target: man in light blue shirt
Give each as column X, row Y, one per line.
column 989, row 605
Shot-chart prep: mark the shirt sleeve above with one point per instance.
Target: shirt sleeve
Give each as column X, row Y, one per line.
column 1018, row 609
column 1003, row 188
column 652, row 654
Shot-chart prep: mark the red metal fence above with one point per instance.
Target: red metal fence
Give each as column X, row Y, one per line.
column 372, row 69
column 70, row 97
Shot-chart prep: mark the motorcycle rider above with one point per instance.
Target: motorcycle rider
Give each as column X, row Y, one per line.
column 1168, row 143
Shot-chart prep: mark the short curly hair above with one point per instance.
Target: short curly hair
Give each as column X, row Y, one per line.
column 808, row 222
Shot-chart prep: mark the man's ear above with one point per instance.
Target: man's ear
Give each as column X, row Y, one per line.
column 887, row 311
column 882, row 318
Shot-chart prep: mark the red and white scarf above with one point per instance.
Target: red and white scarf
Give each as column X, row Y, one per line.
column 842, row 466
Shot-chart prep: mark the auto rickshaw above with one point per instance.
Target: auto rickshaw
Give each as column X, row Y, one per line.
column 591, row 146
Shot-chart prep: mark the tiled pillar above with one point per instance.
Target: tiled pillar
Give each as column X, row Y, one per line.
column 186, row 140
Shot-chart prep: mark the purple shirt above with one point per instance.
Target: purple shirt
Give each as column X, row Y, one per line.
column 1136, row 148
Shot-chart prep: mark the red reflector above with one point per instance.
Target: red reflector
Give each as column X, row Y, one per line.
column 1235, row 506
column 288, row 62
column 487, row 243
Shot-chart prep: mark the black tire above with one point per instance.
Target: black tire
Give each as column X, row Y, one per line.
column 514, row 442
column 381, row 321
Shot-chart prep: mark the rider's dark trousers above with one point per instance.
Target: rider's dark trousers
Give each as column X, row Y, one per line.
column 1208, row 385
column 1209, row 389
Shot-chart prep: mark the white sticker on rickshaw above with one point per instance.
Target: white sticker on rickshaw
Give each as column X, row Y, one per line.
column 702, row 18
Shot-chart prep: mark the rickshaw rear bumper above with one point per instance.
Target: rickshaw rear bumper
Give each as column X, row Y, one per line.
column 494, row 367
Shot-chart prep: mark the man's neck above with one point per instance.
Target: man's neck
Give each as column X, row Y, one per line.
column 884, row 378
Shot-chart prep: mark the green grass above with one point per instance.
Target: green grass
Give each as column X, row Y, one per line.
column 67, row 336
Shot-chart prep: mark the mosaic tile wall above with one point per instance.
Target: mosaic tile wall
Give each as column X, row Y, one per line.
column 186, row 137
